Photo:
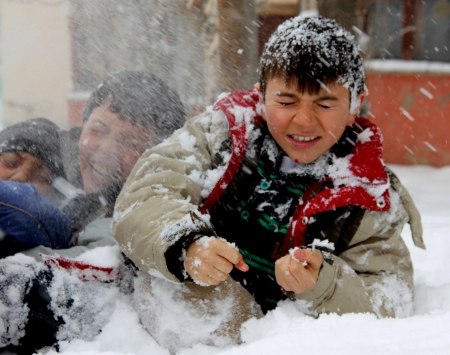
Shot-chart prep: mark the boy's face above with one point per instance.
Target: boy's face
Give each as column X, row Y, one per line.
column 305, row 126
column 109, row 147
column 25, row 167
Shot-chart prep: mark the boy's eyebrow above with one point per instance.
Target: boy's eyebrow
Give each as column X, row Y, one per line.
column 293, row 95
column 327, row 97
column 285, row 93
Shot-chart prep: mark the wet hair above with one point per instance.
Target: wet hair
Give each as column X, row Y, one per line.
column 140, row 98
column 313, row 52
column 38, row 137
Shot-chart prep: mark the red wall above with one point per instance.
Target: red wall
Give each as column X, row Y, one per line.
column 426, row 139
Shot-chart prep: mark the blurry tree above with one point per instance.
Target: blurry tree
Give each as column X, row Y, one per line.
column 232, row 50
column 164, row 37
column 346, row 13
column 200, row 48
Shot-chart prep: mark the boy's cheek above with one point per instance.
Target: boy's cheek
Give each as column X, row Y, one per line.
column 264, row 112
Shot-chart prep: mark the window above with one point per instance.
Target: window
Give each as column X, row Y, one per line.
column 408, row 29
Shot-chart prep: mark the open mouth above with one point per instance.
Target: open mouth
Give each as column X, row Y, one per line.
column 303, row 138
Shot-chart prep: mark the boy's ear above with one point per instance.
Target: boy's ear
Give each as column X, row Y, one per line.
column 353, row 116
column 257, row 86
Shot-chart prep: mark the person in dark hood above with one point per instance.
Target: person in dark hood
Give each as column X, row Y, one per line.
column 30, row 152
column 30, row 160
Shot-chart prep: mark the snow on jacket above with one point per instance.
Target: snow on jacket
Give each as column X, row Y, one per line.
column 90, row 215
column 44, row 294
column 49, row 295
column 173, row 186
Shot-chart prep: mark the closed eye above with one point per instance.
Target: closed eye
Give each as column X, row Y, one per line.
column 11, row 160
column 97, row 132
column 9, row 163
column 286, row 103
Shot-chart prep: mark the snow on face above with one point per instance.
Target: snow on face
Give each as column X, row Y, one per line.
column 306, row 125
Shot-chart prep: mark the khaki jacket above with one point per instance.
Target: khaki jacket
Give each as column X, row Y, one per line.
column 159, row 205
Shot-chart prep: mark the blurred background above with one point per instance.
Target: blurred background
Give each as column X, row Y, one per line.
column 53, row 53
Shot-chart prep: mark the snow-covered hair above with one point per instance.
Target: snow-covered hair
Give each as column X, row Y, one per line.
column 140, row 98
column 316, row 51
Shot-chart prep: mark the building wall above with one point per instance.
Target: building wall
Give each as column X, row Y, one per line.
column 36, row 68
column 410, row 102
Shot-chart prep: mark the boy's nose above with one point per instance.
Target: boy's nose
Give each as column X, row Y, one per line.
column 305, row 116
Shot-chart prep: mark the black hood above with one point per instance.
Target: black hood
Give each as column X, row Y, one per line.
column 38, row 137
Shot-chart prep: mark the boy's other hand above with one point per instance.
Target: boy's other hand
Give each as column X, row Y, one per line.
column 299, row 272
column 209, row 260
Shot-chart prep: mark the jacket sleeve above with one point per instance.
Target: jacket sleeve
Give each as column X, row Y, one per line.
column 374, row 274
column 95, row 235
column 158, row 205
column 28, row 219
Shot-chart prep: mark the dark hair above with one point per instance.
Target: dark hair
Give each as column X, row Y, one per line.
column 141, row 98
column 316, row 51
column 38, row 137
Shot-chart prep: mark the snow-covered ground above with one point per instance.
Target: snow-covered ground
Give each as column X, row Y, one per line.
column 286, row 331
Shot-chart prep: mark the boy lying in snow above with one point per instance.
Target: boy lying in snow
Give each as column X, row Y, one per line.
column 283, row 188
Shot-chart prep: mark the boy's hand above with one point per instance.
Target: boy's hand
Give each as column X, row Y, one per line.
column 300, row 272
column 209, row 260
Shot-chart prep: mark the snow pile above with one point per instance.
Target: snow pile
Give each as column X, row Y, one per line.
column 175, row 322
column 16, row 275
column 84, row 306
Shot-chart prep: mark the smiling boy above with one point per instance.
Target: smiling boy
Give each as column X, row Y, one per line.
column 283, row 188
column 127, row 113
